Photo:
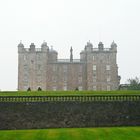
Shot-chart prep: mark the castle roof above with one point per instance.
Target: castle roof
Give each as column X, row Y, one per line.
column 113, row 44
column 20, row 44
column 44, row 44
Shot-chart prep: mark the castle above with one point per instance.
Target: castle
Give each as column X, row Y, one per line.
column 40, row 68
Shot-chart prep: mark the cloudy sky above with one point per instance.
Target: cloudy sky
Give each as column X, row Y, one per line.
column 65, row 23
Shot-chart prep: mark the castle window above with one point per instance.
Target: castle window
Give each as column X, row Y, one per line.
column 25, row 67
column 65, row 87
column 94, row 67
column 65, row 78
column 39, row 79
column 24, row 57
column 107, row 67
column 94, row 73
column 94, row 78
column 94, row 88
column 26, row 75
column 80, row 79
column 108, row 79
column 108, row 88
column 80, row 88
column 93, row 57
column 25, row 87
column 25, row 79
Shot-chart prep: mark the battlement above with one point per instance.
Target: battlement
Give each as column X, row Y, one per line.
column 36, row 49
column 99, row 50
column 89, row 47
column 32, row 48
column 65, row 61
column 104, row 49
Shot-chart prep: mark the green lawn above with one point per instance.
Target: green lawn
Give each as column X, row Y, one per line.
column 118, row 133
column 61, row 93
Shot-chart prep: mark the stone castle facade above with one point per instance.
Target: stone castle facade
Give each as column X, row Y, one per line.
column 95, row 70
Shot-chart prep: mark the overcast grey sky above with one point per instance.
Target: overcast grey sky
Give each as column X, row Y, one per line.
column 65, row 23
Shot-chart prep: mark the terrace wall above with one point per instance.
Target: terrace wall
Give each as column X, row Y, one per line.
column 54, row 114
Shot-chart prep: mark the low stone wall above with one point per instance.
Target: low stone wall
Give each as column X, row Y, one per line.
column 66, row 98
column 68, row 114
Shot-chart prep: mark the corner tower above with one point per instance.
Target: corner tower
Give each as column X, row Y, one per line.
column 32, row 69
column 101, row 68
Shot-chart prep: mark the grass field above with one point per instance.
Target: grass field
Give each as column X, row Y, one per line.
column 118, row 133
column 61, row 93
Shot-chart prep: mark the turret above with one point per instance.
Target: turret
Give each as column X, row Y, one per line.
column 89, row 47
column 32, row 47
column 100, row 46
column 20, row 47
column 114, row 46
column 44, row 47
column 52, row 55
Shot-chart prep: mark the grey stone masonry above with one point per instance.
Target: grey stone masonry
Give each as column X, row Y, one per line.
column 40, row 68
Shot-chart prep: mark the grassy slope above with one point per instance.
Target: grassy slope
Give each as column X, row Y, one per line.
column 53, row 93
column 118, row 133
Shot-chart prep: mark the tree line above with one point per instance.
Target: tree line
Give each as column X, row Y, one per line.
column 133, row 83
